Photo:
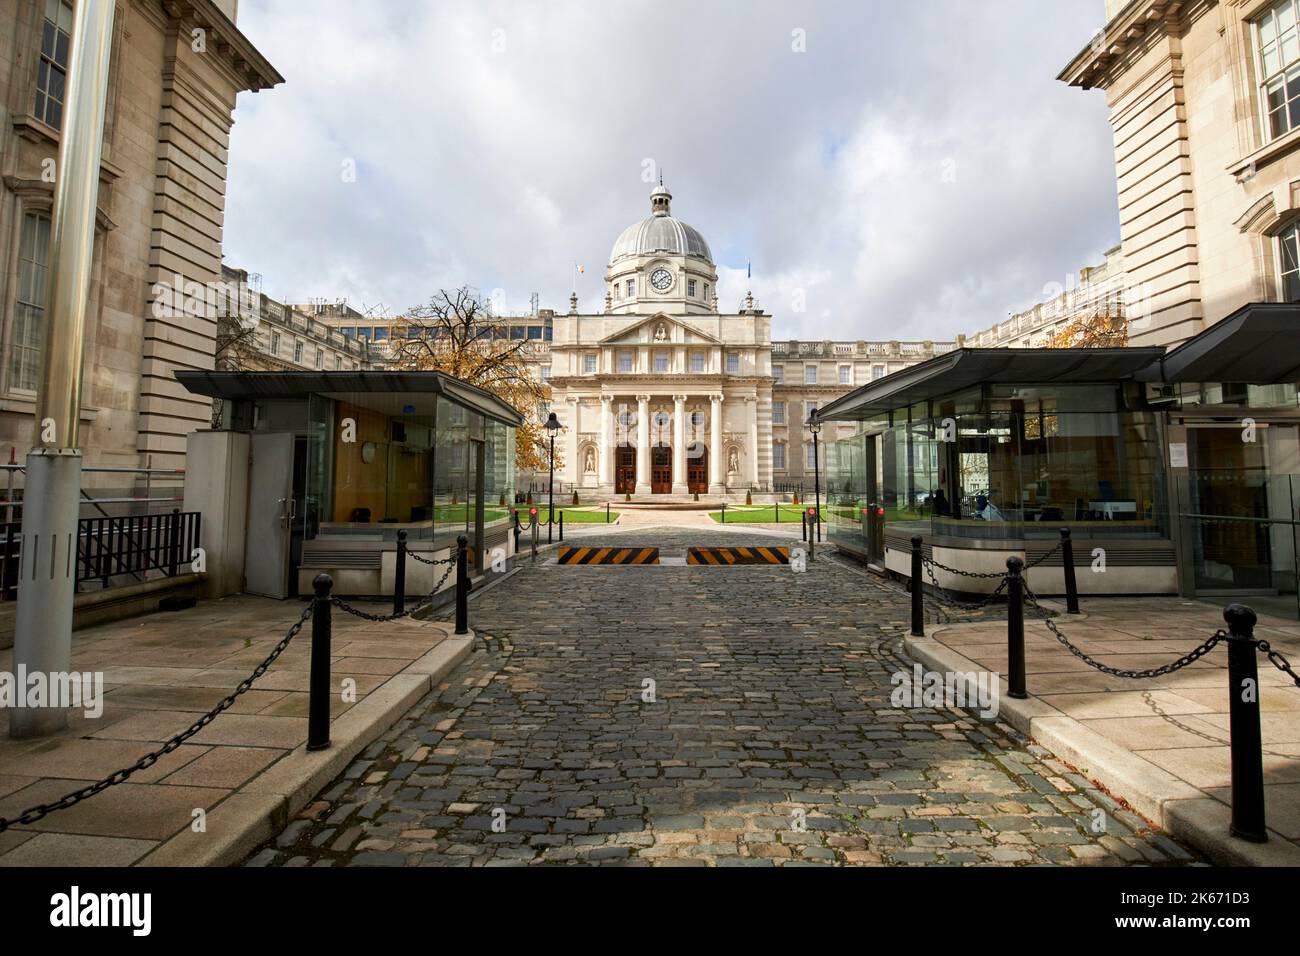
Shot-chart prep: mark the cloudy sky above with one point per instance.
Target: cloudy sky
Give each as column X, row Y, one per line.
column 906, row 170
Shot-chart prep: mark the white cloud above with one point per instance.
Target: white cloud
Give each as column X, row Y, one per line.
column 496, row 144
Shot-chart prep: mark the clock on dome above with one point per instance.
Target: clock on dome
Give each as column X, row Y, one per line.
column 661, row 279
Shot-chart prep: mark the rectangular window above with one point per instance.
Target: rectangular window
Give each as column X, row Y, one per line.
column 1289, row 262
column 810, row 459
column 1277, row 40
column 778, row 374
column 625, row 361
column 661, row 361
column 546, row 373
column 697, row 362
column 589, row 365
column 846, row 374
column 877, row 371
column 534, row 331
column 275, row 344
column 706, row 290
column 380, row 333
column 778, row 413
column 517, row 331
column 320, row 357
column 690, row 288
column 810, row 374
column 52, row 68
column 733, row 363
column 808, row 409
column 778, row 456
column 631, row 288
column 29, row 311
column 297, row 351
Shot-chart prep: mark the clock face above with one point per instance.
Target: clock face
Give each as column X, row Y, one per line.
column 661, row 279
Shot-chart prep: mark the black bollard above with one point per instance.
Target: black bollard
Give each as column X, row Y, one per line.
column 1015, row 629
column 318, row 683
column 606, row 512
column 561, row 527
column 918, row 589
column 803, row 525
column 1243, row 726
column 724, row 512
column 1071, row 585
column 812, row 547
column 462, row 585
column 776, row 512
column 399, row 575
column 518, row 530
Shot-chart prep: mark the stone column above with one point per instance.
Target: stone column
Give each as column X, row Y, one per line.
column 751, row 403
column 716, row 452
column 572, row 467
column 643, row 444
column 680, row 487
column 607, row 452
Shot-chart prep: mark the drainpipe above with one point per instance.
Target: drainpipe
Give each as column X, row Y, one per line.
column 43, row 627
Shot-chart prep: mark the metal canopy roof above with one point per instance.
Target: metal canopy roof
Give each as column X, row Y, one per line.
column 1259, row 344
column 965, row 368
column 270, row 385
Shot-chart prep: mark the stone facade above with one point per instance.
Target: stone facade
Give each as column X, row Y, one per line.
column 664, row 394
column 284, row 338
column 175, row 71
column 1208, row 164
column 1100, row 288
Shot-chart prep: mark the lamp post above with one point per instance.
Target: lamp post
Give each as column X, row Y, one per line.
column 815, row 427
column 43, row 620
column 552, row 426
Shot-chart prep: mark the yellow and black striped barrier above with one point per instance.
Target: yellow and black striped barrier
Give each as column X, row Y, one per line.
column 758, row 554
column 567, row 555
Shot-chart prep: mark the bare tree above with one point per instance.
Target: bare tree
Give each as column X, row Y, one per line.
column 454, row 334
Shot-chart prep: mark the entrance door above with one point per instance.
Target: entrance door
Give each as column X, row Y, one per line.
column 697, row 468
column 1229, row 477
column 271, row 509
column 661, row 470
column 625, row 470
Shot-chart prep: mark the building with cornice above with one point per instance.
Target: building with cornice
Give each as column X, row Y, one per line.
column 176, row 68
column 662, row 393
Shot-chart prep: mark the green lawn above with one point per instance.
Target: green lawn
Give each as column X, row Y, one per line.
column 571, row 515
column 761, row 514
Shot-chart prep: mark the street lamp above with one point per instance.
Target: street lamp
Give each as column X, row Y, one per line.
column 552, row 426
column 815, row 427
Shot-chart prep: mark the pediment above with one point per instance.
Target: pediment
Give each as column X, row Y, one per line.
column 660, row 328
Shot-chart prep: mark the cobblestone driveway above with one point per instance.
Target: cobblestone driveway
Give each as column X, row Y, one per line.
column 771, row 739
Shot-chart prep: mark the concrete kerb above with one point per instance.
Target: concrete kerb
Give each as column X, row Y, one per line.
column 265, row 805
column 1171, row 803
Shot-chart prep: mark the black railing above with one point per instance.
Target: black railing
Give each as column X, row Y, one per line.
column 133, row 545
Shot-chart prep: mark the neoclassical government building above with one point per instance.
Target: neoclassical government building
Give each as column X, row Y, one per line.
column 664, row 394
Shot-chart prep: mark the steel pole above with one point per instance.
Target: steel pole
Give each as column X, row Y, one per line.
column 43, row 624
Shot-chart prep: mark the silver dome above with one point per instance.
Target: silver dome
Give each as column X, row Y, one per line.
column 661, row 234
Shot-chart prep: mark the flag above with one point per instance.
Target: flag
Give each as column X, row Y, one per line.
column 749, row 270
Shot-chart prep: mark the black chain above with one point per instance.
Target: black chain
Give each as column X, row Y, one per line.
column 33, row 814
column 434, row 561
column 1043, row 557
column 1277, row 660
column 1189, row 658
column 947, row 598
column 424, row 601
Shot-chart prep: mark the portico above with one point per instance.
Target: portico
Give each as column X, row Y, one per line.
column 661, row 394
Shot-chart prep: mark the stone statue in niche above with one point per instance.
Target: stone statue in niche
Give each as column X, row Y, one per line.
column 589, row 464
column 733, row 462
column 661, row 333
